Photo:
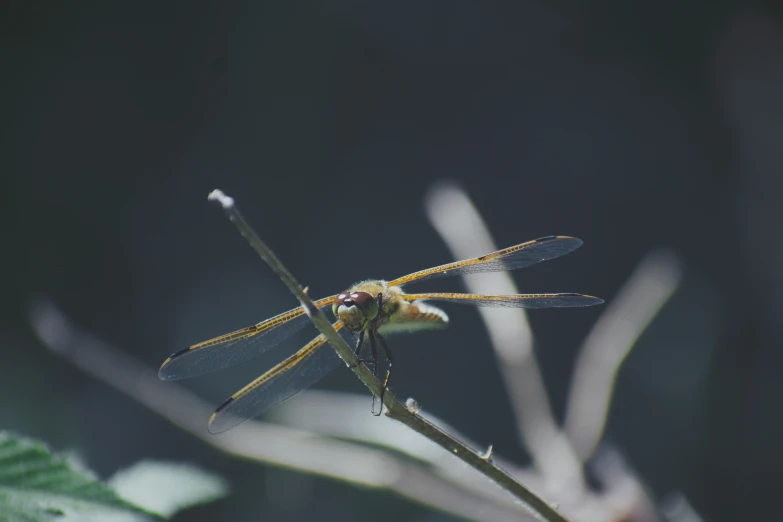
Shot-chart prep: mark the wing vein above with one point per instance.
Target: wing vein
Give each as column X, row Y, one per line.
column 303, row 369
column 510, row 301
column 511, row 258
column 236, row 347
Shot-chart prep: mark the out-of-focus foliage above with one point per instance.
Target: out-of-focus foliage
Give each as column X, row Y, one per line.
column 167, row 487
column 37, row 485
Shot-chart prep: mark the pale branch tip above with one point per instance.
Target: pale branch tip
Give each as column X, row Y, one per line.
column 225, row 201
column 395, row 409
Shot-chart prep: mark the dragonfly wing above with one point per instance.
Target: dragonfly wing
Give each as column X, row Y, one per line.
column 511, row 301
column 300, row 371
column 511, row 258
column 236, row 347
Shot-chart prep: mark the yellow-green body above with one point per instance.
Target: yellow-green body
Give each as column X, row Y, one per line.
column 395, row 314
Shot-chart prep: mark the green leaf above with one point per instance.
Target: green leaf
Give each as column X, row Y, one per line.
column 38, row 486
column 168, row 487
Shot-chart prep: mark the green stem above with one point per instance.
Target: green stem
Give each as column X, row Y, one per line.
column 394, row 408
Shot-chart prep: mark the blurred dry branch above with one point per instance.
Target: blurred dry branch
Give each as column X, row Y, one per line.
column 458, row 222
column 676, row 508
column 326, row 433
column 260, row 441
column 558, row 454
column 610, row 341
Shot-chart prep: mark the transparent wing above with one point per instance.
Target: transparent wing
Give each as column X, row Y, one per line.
column 303, row 369
column 236, row 347
column 511, row 258
column 511, row 301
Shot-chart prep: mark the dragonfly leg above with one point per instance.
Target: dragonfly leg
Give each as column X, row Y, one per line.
column 390, row 359
column 374, row 370
column 358, row 349
column 359, row 342
column 374, row 351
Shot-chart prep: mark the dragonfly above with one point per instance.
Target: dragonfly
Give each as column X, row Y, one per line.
column 364, row 313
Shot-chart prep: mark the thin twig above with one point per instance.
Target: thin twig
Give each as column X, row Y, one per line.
column 260, row 441
column 394, row 408
column 459, row 223
column 609, row 342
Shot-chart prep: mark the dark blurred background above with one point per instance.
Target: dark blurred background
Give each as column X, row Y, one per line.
column 631, row 125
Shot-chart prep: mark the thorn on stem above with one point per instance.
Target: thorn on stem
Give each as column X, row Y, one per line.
column 487, row 455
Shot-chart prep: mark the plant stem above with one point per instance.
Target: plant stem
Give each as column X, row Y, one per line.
column 394, row 408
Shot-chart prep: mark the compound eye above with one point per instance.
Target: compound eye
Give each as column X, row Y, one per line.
column 366, row 303
column 338, row 300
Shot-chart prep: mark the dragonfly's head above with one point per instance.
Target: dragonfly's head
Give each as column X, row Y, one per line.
column 355, row 309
